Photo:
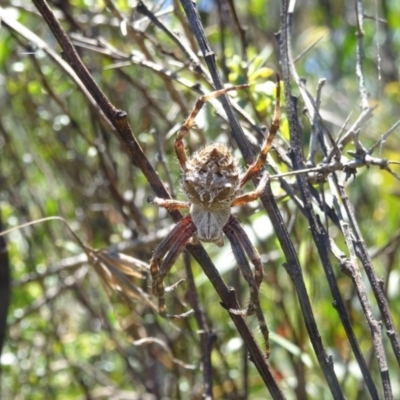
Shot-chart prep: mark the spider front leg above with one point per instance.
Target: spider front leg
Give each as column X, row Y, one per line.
column 169, row 204
column 248, row 197
column 173, row 244
column 189, row 122
column 262, row 156
column 254, row 283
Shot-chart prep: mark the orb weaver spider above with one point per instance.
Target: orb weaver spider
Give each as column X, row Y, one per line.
column 212, row 182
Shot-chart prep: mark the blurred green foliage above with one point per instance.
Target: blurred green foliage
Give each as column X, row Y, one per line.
column 66, row 339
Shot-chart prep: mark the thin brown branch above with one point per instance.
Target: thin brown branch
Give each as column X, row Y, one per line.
column 207, row 337
column 360, row 55
column 349, row 266
column 365, row 258
column 5, row 290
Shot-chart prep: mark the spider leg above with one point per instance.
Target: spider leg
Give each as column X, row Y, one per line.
column 184, row 129
column 169, row 204
column 174, row 245
column 164, row 247
column 251, row 196
column 250, row 250
column 166, row 266
column 239, row 253
column 262, row 156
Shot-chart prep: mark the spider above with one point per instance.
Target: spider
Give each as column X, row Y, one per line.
column 212, row 182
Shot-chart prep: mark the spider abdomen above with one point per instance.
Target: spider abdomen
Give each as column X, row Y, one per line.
column 209, row 223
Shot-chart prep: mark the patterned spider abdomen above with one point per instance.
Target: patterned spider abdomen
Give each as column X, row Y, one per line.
column 211, row 183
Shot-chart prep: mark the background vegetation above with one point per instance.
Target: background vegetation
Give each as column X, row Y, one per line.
column 90, row 330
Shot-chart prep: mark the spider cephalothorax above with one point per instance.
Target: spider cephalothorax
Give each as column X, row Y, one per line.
column 212, row 182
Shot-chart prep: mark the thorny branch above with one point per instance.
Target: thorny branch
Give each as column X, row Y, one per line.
column 374, row 327
column 349, row 267
column 298, row 163
column 338, row 301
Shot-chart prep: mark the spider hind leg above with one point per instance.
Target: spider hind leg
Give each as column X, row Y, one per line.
column 241, row 244
column 173, row 244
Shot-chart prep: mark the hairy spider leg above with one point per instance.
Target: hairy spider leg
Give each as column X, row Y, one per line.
column 245, row 269
column 187, row 125
column 251, row 196
column 166, row 266
column 254, row 168
column 174, row 245
column 165, row 246
column 250, row 250
column 170, row 204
